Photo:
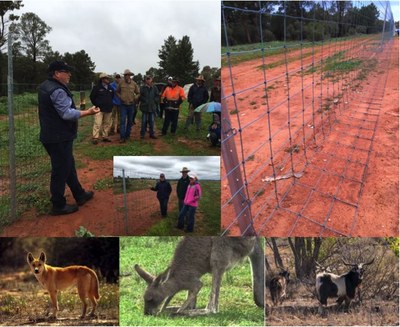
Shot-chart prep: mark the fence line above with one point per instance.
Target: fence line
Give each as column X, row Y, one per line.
column 272, row 163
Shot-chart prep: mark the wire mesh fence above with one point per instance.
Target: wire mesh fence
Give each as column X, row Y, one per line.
column 300, row 115
column 137, row 207
column 24, row 164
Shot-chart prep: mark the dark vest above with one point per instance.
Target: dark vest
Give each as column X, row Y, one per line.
column 54, row 129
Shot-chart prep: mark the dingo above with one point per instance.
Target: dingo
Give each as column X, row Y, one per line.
column 55, row 279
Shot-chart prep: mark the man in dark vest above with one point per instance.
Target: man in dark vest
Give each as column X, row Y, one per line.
column 58, row 128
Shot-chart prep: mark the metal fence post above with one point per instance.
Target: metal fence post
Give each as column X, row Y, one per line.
column 234, row 174
column 11, row 134
column 384, row 25
column 125, row 202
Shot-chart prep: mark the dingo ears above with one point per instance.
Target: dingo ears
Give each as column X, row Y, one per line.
column 42, row 257
column 30, row 258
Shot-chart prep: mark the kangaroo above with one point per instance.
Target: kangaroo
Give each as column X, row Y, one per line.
column 196, row 256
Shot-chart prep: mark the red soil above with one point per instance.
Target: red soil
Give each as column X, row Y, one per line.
column 325, row 201
column 100, row 216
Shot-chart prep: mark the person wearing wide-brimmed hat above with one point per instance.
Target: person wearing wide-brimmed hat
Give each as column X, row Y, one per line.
column 173, row 95
column 58, row 118
column 102, row 96
column 128, row 91
column 182, row 186
column 148, row 103
column 198, row 95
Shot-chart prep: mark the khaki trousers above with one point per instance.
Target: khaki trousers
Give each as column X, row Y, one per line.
column 102, row 124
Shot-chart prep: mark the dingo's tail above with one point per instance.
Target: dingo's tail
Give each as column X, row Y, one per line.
column 95, row 285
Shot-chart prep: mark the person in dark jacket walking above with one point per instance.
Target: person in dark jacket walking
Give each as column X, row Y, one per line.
column 148, row 101
column 58, row 118
column 198, row 94
column 102, row 97
column 163, row 189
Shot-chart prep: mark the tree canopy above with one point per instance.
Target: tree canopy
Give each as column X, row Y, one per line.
column 176, row 59
column 297, row 20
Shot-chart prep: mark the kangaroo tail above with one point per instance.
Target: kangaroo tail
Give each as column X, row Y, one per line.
column 257, row 266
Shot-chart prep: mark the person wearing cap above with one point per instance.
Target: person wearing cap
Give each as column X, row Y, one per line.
column 102, row 97
column 115, row 121
column 148, row 104
column 182, row 186
column 58, row 119
column 128, row 91
column 172, row 96
column 163, row 189
column 198, row 95
column 190, row 204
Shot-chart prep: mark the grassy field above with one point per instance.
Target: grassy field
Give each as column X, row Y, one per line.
column 246, row 52
column 154, row 254
column 208, row 214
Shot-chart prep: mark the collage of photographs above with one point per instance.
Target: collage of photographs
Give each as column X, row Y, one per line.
column 199, row 163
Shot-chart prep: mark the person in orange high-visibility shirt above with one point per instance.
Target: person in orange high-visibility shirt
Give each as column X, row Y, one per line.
column 172, row 96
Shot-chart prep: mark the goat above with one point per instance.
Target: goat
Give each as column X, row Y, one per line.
column 196, row 256
column 277, row 286
column 343, row 287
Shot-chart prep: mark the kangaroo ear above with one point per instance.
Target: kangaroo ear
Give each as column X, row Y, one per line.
column 144, row 274
column 29, row 258
column 42, row 257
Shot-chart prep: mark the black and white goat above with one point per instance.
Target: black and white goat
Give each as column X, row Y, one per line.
column 343, row 287
column 277, row 286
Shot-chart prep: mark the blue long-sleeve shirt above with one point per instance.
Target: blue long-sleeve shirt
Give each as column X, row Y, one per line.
column 63, row 104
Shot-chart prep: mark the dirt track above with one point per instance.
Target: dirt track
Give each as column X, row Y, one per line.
column 345, row 186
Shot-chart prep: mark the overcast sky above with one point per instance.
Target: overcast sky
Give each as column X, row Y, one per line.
column 205, row 167
column 120, row 34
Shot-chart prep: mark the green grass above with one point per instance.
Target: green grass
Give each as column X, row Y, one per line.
column 154, row 254
column 209, row 210
column 253, row 51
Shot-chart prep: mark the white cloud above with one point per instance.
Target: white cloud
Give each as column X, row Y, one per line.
column 205, row 167
column 128, row 34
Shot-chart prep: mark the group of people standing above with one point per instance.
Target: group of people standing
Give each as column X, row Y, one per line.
column 188, row 191
column 118, row 102
column 59, row 117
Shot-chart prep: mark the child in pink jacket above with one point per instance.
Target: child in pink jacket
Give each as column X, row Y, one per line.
column 190, row 204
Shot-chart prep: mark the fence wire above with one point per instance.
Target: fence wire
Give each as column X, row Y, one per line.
column 24, row 164
column 137, row 207
column 300, row 120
